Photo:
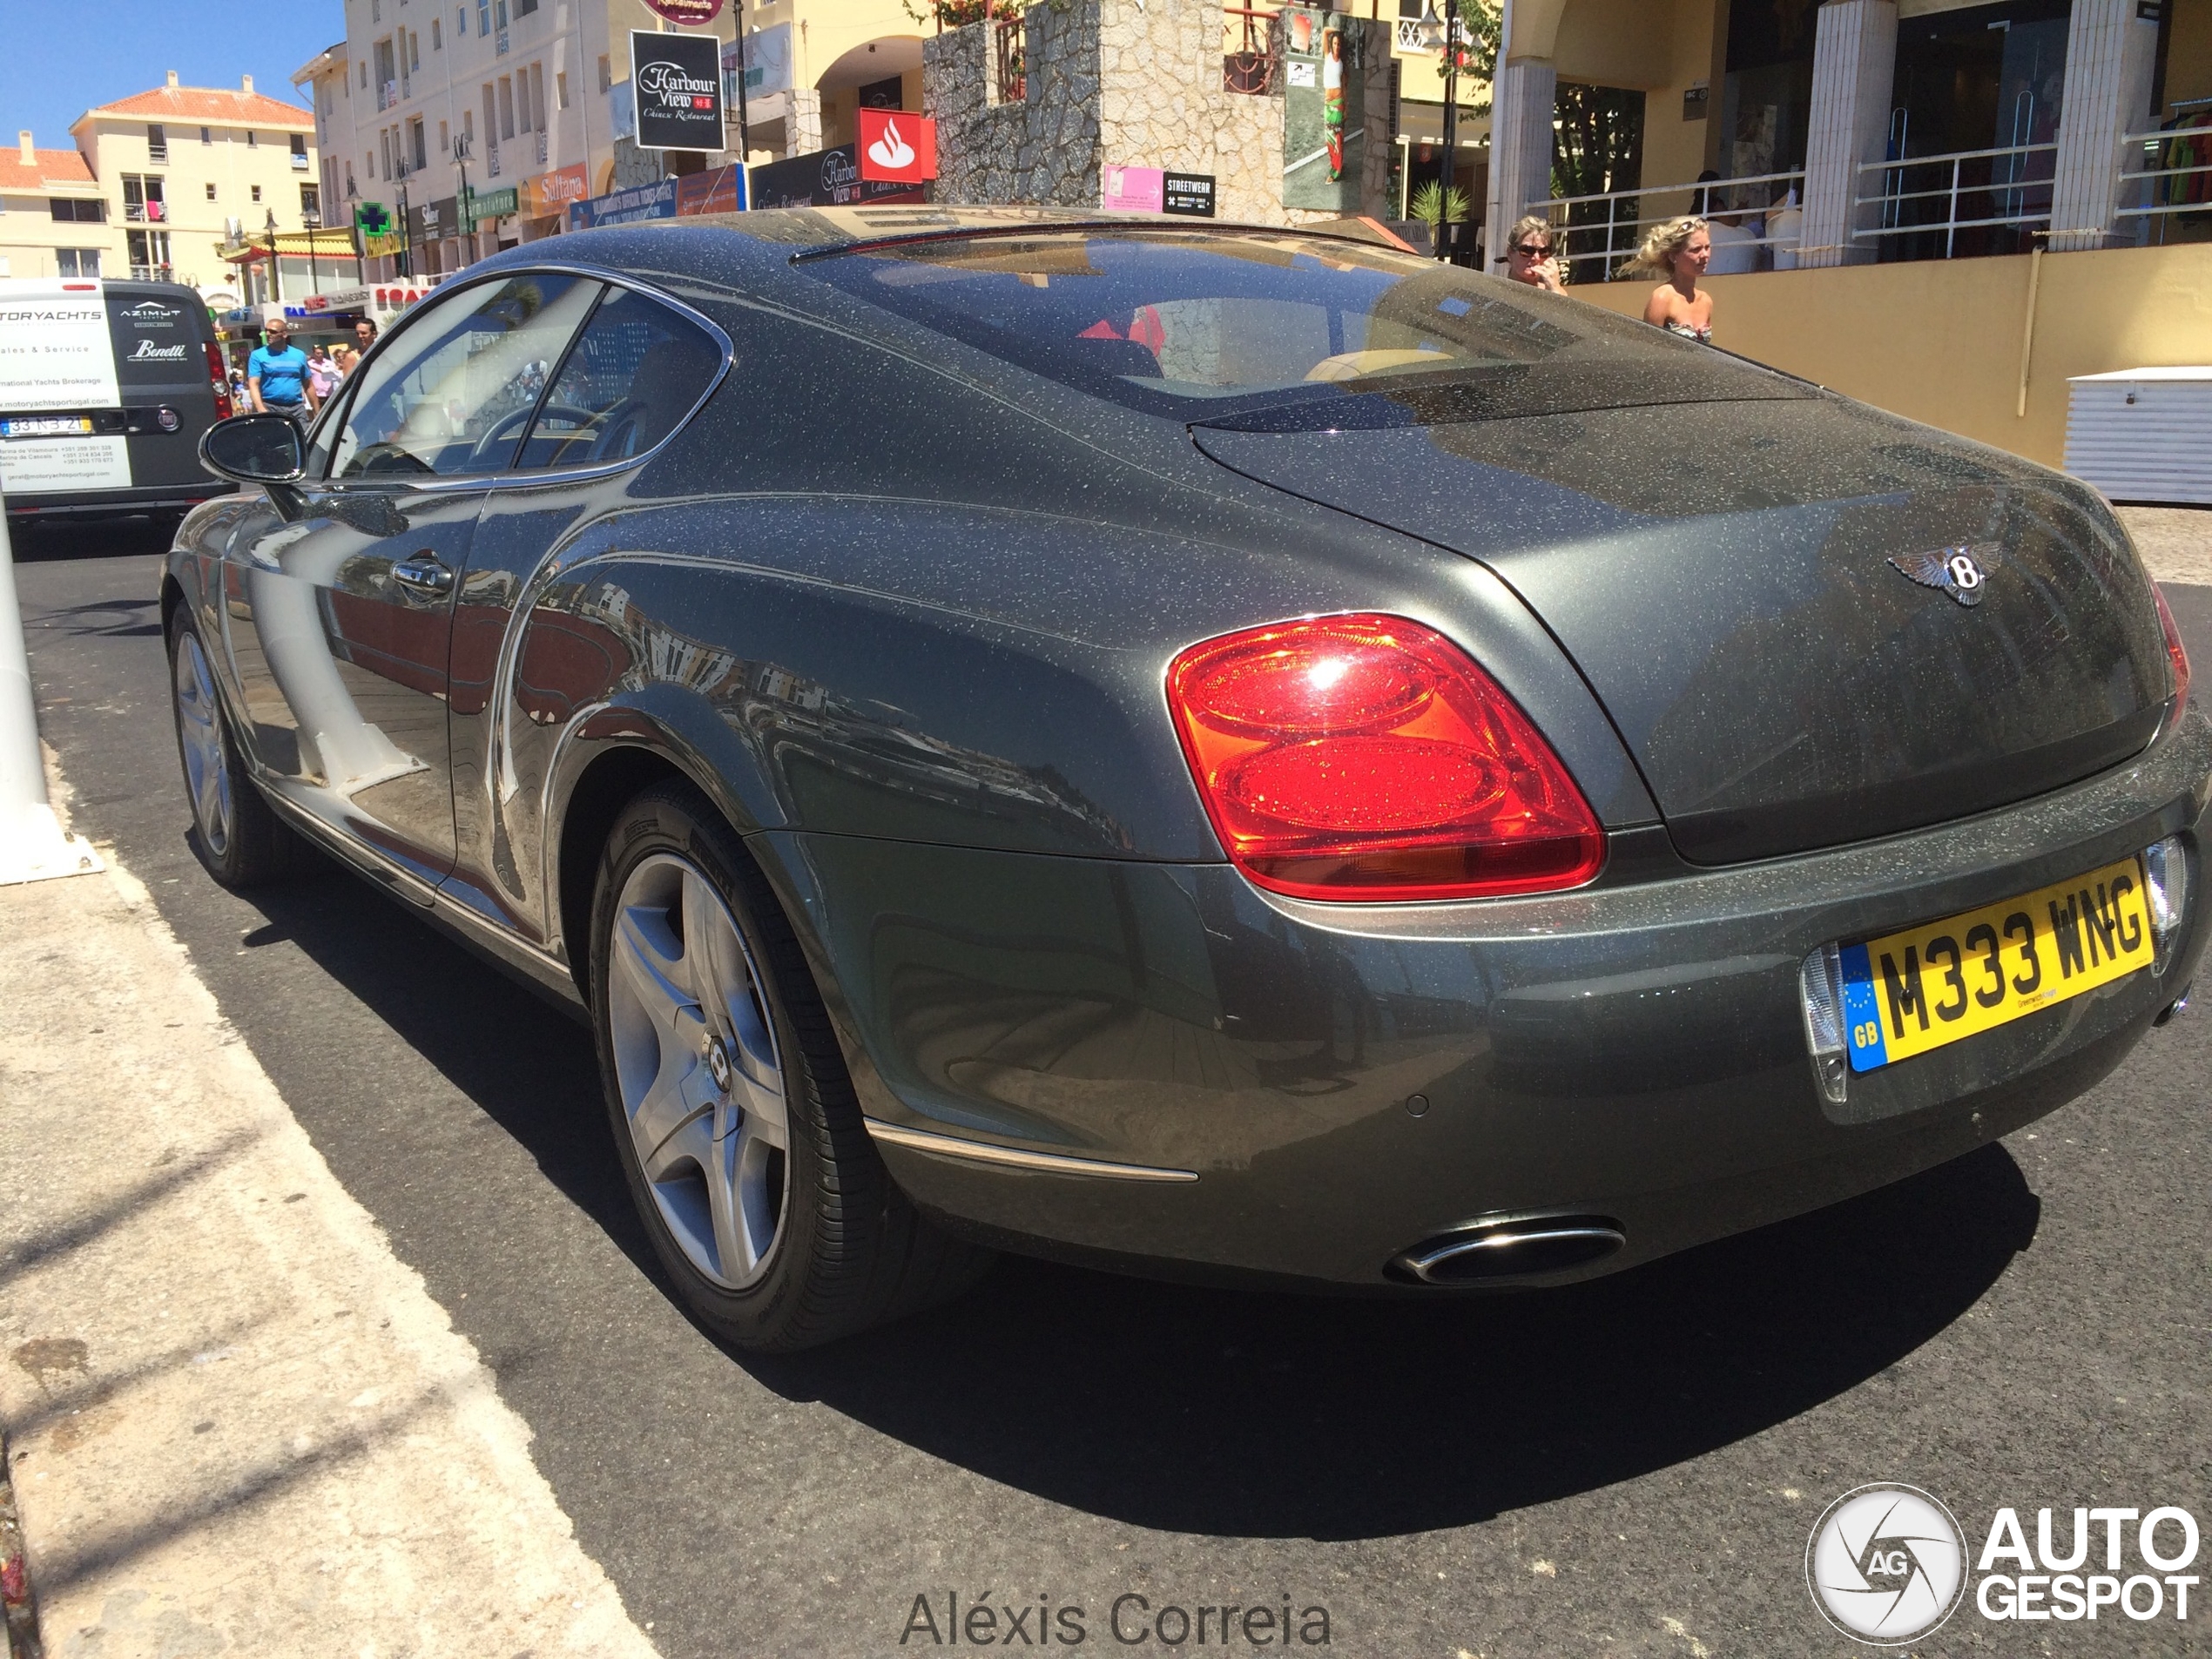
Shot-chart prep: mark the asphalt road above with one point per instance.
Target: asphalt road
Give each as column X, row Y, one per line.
column 1628, row 1467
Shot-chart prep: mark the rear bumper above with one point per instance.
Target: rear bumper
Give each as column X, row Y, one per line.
column 1635, row 1050
column 120, row 503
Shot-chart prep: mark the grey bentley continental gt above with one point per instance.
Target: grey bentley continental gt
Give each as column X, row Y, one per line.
column 1197, row 749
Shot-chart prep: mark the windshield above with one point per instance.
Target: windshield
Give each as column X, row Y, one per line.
column 1216, row 327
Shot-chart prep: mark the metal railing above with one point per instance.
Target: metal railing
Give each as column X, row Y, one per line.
column 2168, row 162
column 1609, row 225
column 1010, row 53
column 1248, row 60
column 2005, row 189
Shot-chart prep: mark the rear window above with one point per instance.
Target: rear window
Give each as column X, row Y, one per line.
column 1246, row 328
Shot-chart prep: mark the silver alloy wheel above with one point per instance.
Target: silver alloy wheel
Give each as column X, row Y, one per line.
column 696, row 1061
column 200, row 729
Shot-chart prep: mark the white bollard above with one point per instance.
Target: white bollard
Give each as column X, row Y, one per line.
column 32, row 844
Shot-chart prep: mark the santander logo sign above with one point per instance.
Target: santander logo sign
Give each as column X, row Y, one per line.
column 897, row 147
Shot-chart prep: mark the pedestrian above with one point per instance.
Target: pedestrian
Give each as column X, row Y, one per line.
column 1532, row 255
column 323, row 372
column 1678, row 251
column 276, row 375
column 364, row 336
column 346, row 358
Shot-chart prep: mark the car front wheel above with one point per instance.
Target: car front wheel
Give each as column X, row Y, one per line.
column 732, row 1113
column 236, row 833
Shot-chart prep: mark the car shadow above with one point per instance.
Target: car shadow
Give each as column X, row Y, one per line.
column 1249, row 1414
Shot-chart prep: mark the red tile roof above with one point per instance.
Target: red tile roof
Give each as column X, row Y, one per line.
column 56, row 167
column 210, row 105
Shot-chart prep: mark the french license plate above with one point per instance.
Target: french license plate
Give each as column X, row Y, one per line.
column 44, row 426
column 1909, row 992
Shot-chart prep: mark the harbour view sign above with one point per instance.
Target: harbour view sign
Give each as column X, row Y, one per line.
column 677, row 81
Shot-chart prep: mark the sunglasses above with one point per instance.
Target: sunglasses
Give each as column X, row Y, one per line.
column 1531, row 251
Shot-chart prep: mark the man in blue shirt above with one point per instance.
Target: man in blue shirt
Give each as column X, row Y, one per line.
column 277, row 376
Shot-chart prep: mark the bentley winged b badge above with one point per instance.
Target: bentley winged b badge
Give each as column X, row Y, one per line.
column 1958, row 571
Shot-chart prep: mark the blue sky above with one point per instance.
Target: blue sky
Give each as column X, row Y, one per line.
column 59, row 58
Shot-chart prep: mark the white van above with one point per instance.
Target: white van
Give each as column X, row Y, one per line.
column 104, row 390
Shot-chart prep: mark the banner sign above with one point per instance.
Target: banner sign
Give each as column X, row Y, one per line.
column 1188, row 193
column 1323, row 108
column 630, row 206
column 897, row 148
column 1133, row 190
column 765, row 57
column 692, row 14
column 676, row 82
column 718, row 191
column 826, row 178
column 552, row 192
column 55, row 349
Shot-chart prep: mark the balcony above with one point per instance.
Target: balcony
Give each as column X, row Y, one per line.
column 491, row 161
column 543, row 148
column 387, row 95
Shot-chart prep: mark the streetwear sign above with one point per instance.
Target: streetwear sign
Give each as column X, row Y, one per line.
column 676, row 81
column 1188, row 193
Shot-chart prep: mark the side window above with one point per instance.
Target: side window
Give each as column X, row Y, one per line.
column 637, row 369
column 453, row 394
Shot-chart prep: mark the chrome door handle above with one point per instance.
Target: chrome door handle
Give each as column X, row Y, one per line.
column 424, row 575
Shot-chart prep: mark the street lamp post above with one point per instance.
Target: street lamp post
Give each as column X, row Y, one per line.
column 276, row 277
column 312, row 222
column 464, row 210
column 1443, row 32
column 407, row 235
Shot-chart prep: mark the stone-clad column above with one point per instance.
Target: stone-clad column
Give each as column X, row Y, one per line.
column 1854, row 63
column 1521, row 102
column 2111, row 52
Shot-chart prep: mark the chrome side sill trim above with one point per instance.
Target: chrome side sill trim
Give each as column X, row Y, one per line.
column 952, row 1146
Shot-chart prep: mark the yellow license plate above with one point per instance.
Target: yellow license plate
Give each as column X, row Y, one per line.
column 1909, row 992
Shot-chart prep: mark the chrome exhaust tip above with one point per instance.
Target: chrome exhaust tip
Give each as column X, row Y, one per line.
column 1484, row 1252
column 2179, row 1005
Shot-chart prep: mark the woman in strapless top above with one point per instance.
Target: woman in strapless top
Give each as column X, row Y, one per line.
column 1678, row 251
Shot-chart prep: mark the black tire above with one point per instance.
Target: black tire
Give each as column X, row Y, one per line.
column 849, row 1250
column 248, row 844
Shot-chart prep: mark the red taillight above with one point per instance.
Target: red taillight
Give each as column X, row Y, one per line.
column 218, row 382
column 2176, row 653
column 1365, row 758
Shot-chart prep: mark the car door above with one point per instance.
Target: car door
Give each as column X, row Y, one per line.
column 527, row 663
column 342, row 639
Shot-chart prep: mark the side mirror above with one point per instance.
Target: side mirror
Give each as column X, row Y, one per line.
column 255, row 449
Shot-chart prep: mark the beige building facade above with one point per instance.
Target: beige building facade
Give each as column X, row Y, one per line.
column 182, row 171
column 53, row 218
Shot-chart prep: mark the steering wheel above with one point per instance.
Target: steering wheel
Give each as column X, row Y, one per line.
column 505, row 426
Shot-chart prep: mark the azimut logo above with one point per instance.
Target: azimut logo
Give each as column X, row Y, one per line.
column 892, row 150
column 152, row 310
column 1887, row 1564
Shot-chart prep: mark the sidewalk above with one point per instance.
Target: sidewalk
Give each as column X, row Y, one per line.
column 2175, row 541
column 235, row 1422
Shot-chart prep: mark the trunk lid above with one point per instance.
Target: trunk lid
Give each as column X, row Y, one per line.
column 1735, row 581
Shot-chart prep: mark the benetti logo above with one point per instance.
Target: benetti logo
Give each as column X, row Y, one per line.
column 149, row 352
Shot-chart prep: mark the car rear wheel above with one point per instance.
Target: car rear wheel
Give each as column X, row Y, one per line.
column 734, row 1117
column 237, row 835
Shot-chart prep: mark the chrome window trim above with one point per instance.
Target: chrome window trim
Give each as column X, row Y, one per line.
column 508, row 478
